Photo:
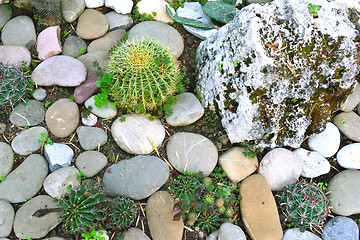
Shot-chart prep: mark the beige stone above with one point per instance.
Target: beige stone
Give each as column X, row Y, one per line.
column 91, row 24
column 348, row 124
column 258, row 209
column 158, row 6
column 135, row 234
column 62, row 117
column 236, row 165
column 106, row 42
column 159, row 213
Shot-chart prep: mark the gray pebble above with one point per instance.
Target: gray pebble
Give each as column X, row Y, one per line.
column 27, row 141
column 91, row 138
column 30, row 114
column 91, row 163
column 39, row 94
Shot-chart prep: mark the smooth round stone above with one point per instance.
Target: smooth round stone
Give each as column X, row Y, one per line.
column 136, row 178
column 158, row 6
column 345, row 192
column 280, row 167
column 7, row 214
column 236, row 165
column 327, row 142
column 352, row 100
column 39, row 94
column 25, row 181
column 62, row 117
column 107, row 111
column 94, row 3
column 194, row 11
column 72, row 9
column 159, row 213
column 5, row 14
column 58, row 155
column 162, row 32
column 229, row 231
column 313, row 163
column 6, row 159
column 192, row 152
column 19, row 31
column 87, row 88
column 48, row 43
column 348, row 124
column 135, row 134
column 59, row 70
column 341, row 228
column 30, row 114
column 91, row 138
column 91, row 24
column 25, row 225
column 123, row 6
column 15, row 56
column 73, row 45
column 107, row 41
column 119, row 21
column 349, row 156
column 186, row 110
column 90, row 120
column 27, row 141
column 258, row 209
column 55, row 184
column 90, row 163
column 135, row 234
column 295, row 234
column 88, row 59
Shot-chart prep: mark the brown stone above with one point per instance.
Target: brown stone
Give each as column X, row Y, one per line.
column 159, row 212
column 258, row 209
column 91, row 24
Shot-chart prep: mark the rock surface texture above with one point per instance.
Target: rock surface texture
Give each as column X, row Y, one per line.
column 272, row 79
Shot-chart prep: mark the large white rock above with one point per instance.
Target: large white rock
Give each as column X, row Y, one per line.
column 120, row 6
column 94, row 3
column 327, row 142
column 158, row 6
column 349, row 156
column 280, row 167
column 313, row 163
column 107, row 111
column 55, row 184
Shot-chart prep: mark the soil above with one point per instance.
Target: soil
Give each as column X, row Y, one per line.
column 209, row 126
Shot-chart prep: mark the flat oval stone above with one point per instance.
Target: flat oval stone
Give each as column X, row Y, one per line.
column 27, row 141
column 91, row 138
column 280, row 167
column 107, row 41
column 345, row 192
column 341, row 228
column 7, row 214
column 25, row 181
column 295, row 234
column 313, row 163
column 258, row 209
column 159, row 213
column 236, row 165
column 48, row 43
column 30, row 114
column 87, row 88
column 327, row 142
column 19, row 31
column 349, row 156
column 72, row 9
column 135, row 134
column 55, row 184
column 135, row 234
column 25, row 225
column 348, row 124
column 73, row 45
column 62, row 117
column 59, row 70
column 185, row 111
column 6, row 159
column 91, row 24
column 88, row 59
column 136, row 178
column 107, row 111
column 192, row 152
column 162, row 32
column 15, row 56
column 5, row 13
column 91, row 163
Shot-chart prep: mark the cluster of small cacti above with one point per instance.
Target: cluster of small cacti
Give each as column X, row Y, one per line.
column 304, row 205
column 123, row 213
column 204, row 202
column 13, row 83
column 144, row 74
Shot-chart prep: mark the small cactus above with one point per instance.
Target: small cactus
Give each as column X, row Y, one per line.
column 144, row 75
column 123, row 213
column 13, row 85
column 304, row 205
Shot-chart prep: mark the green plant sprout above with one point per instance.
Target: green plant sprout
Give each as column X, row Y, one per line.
column 122, row 118
column 342, row 122
column 236, row 63
column 248, row 153
column 82, row 50
column 46, row 104
column 93, row 235
column 219, row 66
column 2, row 178
column 313, row 9
column 80, row 176
column 45, row 140
column 71, row 54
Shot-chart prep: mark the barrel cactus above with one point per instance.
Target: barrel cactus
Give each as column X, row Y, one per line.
column 122, row 213
column 143, row 73
column 13, row 83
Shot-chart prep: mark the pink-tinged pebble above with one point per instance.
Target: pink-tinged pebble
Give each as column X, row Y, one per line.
column 48, row 43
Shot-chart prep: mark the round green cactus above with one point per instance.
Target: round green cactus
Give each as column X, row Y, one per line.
column 123, row 213
column 144, row 74
column 13, row 83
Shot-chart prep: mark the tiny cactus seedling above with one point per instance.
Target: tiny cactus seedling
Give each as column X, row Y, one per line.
column 123, row 213
column 13, row 84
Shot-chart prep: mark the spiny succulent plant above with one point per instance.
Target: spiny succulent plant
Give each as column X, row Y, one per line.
column 304, row 205
column 13, row 83
column 184, row 186
column 144, row 75
column 123, row 212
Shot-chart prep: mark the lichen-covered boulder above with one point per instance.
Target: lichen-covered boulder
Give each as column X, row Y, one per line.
column 276, row 72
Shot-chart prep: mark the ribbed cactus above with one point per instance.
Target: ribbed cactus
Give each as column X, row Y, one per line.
column 122, row 213
column 144, row 74
column 13, row 83
column 304, row 205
